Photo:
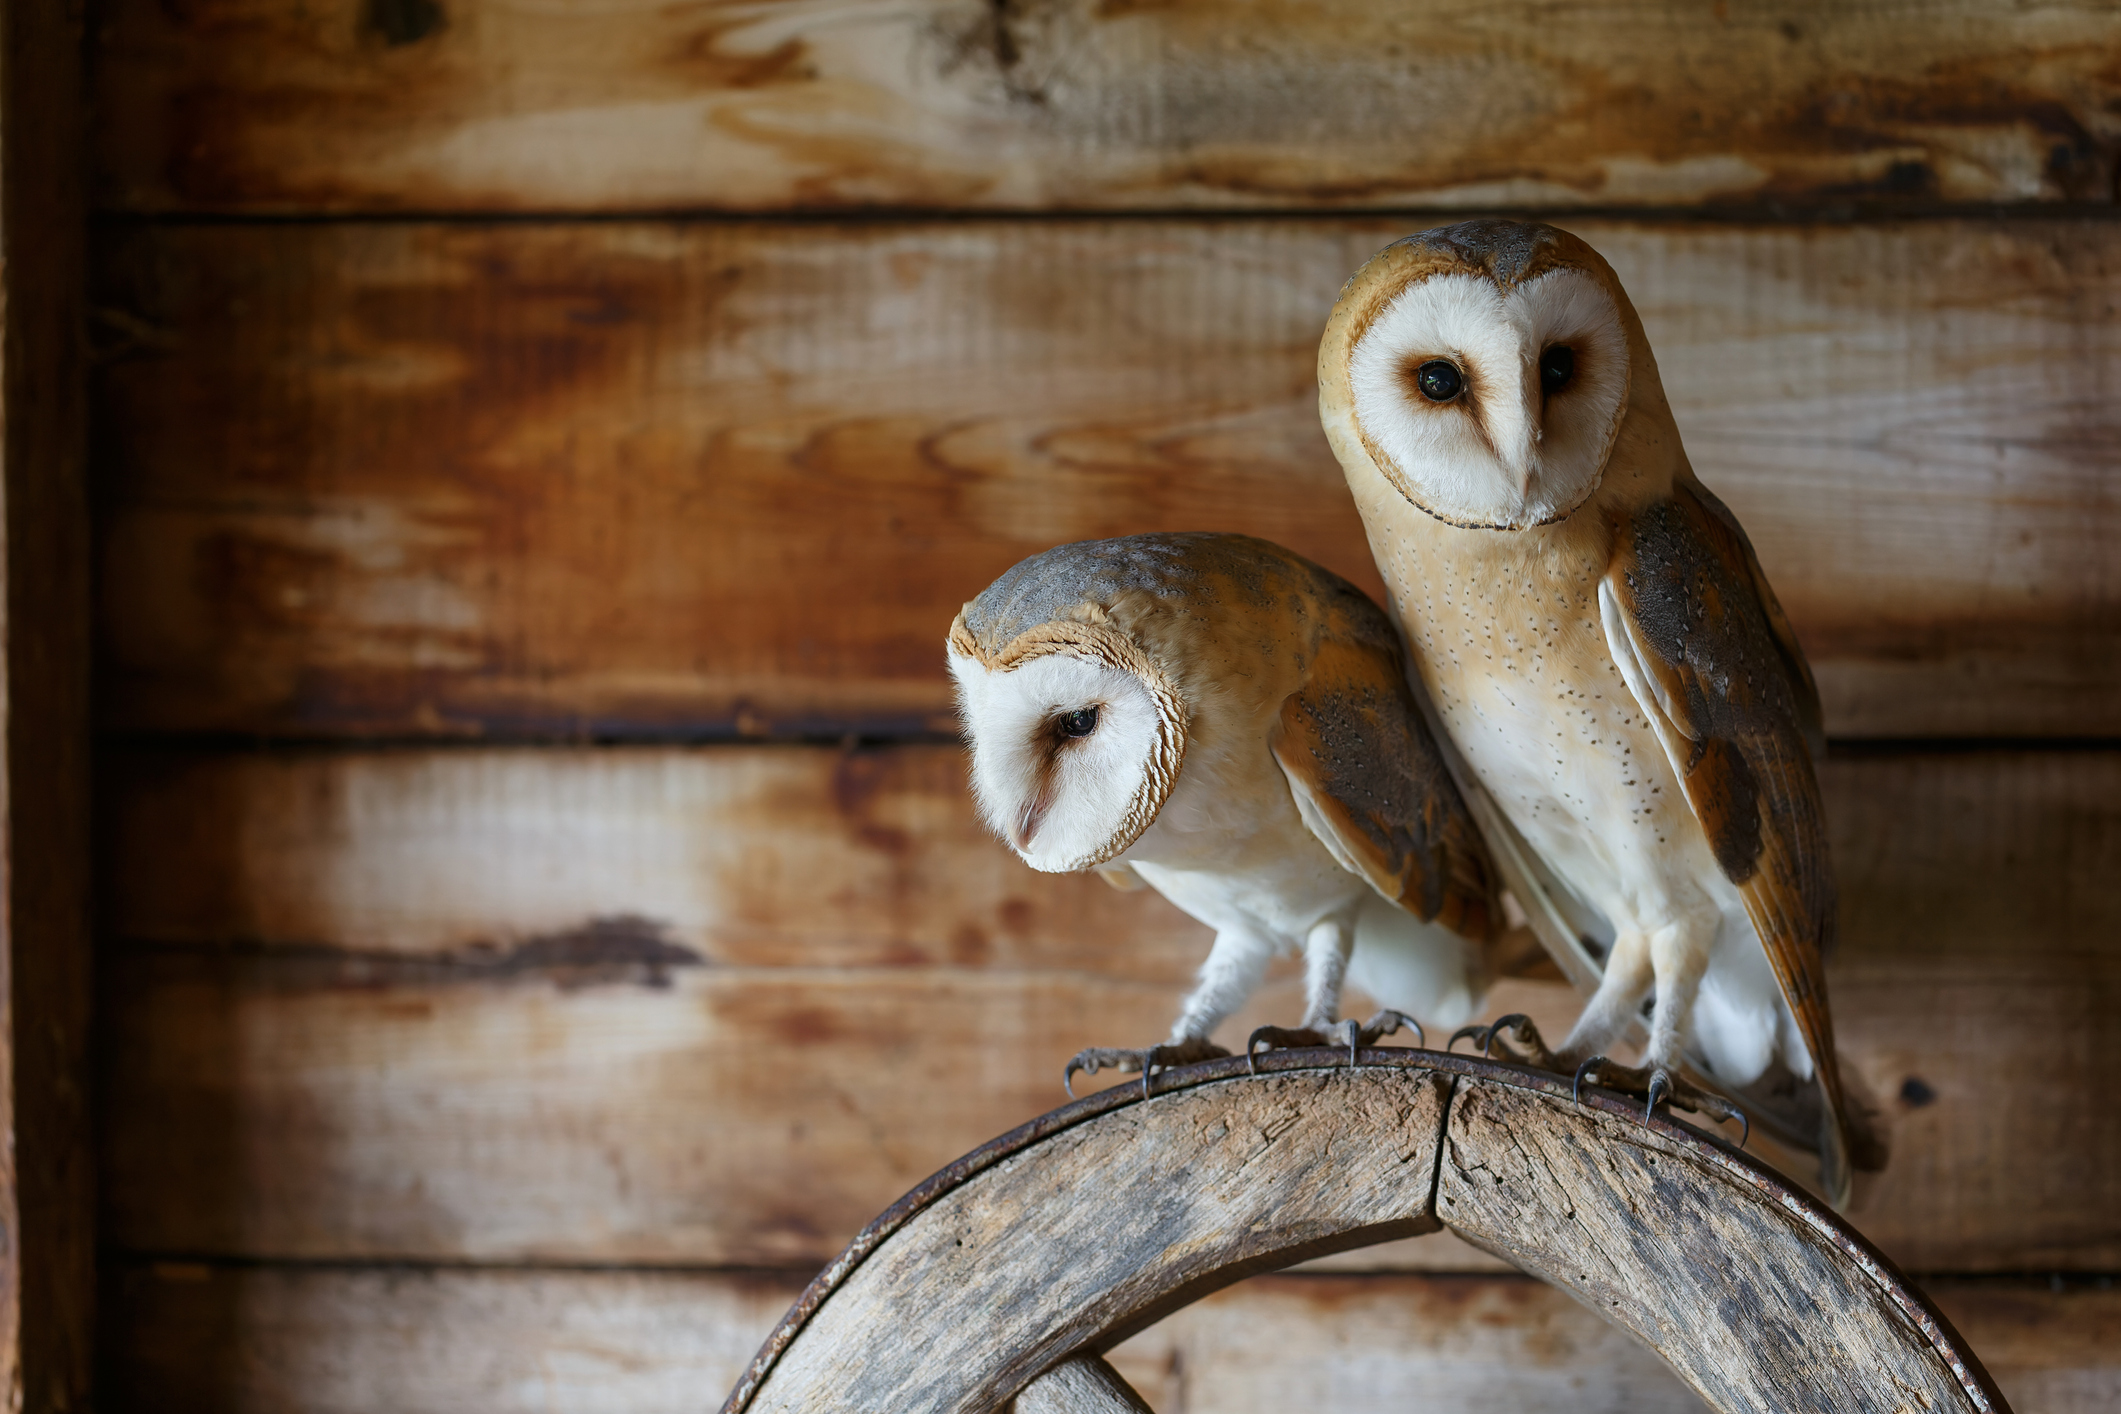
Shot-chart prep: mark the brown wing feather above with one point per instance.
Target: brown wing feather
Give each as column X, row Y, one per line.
column 1724, row 676
column 1802, row 684
column 1374, row 788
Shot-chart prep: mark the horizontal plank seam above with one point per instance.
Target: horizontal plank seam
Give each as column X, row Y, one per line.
column 1861, row 748
column 2061, row 1283
column 267, row 744
column 499, row 962
column 247, row 744
column 250, row 1262
column 473, row 964
column 1773, row 214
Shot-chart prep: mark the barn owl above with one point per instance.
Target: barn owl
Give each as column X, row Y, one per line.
column 1605, row 657
column 1233, row 726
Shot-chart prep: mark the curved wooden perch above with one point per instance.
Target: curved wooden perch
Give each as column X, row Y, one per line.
column 1008, row 1273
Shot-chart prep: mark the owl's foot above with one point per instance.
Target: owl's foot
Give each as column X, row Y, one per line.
column 1659, row 1086
column 1174, row 1053
column 1529, row 1048
column 1341, row 1033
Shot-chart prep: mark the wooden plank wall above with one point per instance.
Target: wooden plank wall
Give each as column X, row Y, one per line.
column 47, row 1129
column 539, row 449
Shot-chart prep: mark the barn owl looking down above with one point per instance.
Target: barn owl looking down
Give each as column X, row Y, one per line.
column 1234, row 726
column 1604, row 655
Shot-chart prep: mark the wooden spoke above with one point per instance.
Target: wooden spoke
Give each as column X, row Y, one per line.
column 1053, row 1243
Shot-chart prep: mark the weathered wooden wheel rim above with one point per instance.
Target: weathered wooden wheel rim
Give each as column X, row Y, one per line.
column 1065, row 1236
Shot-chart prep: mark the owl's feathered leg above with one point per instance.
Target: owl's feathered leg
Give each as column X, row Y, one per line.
column 1233, row 969
column 1326, row 952
column 1629, row 975
column 1229, row 976
column 1678, row 956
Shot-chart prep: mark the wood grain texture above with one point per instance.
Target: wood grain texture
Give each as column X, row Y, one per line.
column 1104, row 1227
column 726, row 1117
column 47, row 1180
column 1226, row 1171
column 498, row 105
column 190, row 1338
column 1513, row 1344
column 803, row 856
column 656, row 479
column 1738, row 1293
column 201, row 1339
column 522, row 1004
column 1083, row 1385
column 2051, row 1345
column 500, row 861
column 1435, row 1342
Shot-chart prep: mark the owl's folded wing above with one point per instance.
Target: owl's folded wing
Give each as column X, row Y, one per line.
column 1696, row 643
column 1802, row 685
column 1371, row 784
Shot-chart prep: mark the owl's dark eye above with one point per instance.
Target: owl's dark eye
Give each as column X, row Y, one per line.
column 1439, row 381
column 1556, row 367
column 1080, row 723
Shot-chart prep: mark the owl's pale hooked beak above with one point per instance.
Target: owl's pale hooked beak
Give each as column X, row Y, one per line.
column 1029, row 819
column 1535, row 432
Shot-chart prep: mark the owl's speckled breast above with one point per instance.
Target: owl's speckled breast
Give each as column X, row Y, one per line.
column 1506, row 634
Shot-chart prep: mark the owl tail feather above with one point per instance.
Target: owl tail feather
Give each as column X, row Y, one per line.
column 1850, row 1140
column 1423, row 969
column 1842, row 1131
column 1836, row 1178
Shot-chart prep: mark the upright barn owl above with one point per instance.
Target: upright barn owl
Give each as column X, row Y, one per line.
column 1235, row 727
column 1602, row 649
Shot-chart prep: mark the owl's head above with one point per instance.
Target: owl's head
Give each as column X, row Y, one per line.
column 1077, row 730
column 1484, row 369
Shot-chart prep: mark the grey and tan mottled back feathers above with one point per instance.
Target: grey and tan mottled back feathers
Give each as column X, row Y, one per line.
column 1230, row 614
column 1373, row 786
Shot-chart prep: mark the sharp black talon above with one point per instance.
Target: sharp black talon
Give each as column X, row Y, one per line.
column 1660, row 1088
column 1745, row 1132
column 1080, row 1061
column 1148, row 1059
column 1512, row 1021
column 1386, row 1022
column 1576, row 1093
column 1462, row 1032
column 1252, row 1048
column 1354, row 1031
